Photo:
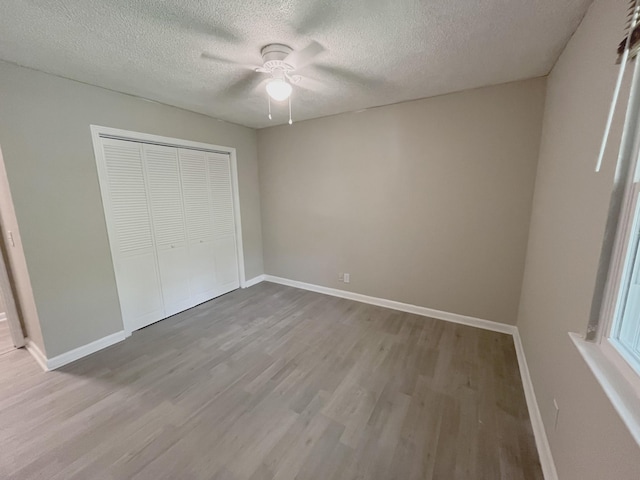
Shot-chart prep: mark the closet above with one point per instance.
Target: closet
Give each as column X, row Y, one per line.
column 170, row 218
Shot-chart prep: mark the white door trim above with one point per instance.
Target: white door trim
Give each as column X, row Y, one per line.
column 98, row 132
column 11, row 311
column 17, row 289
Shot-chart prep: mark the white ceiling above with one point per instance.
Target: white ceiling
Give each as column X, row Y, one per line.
column 376, row 52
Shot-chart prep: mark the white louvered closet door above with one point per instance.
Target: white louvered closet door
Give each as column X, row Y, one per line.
column 199, row 218
column 170, row 216
column 131, row 236
column 224, row 230
column 169, row 226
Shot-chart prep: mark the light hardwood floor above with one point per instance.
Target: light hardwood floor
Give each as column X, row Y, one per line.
column 273, row 382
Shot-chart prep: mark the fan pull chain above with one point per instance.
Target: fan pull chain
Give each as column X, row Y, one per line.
column 290, row 121
column 269, row 101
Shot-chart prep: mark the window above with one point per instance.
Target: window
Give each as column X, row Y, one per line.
column 613, row 355
column 624, row 333
column 611, row 344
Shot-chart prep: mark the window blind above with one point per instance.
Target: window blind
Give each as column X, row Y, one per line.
column 631, row 41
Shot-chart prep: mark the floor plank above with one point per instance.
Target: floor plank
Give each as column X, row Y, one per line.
column 273, row 382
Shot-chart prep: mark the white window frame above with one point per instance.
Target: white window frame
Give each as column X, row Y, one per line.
column 617, row 373
column 619, row 274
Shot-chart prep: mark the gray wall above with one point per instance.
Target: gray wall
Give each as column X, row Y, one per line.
column 46, row 142
column 426, row 202
column 569, row 213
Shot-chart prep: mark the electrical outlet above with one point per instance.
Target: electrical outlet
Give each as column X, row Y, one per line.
column 341, row 277
column 347, row 278
column 555, row 423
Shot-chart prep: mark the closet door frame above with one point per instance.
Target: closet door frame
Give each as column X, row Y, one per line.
column 99, row 132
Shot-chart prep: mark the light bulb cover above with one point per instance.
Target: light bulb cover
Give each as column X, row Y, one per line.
column 279, row 89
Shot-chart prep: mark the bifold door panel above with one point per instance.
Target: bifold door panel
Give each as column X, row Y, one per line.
column 167, row 217
column 200, row 227
column 131, row 234
column 171, row 227
column 223, row 220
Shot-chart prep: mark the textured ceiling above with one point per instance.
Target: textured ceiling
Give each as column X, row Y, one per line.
column 376, row 52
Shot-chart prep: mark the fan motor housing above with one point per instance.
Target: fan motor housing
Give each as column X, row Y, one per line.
column 273, row 56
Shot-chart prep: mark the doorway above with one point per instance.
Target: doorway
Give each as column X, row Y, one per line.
column 11, row 334
column 15, row 287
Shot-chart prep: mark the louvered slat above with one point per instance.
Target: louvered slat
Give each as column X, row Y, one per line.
column 221, row 194
column 193, row 172
column 165, row 194
column 129, row 206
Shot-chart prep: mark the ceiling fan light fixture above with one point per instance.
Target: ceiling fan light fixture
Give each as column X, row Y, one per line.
column 279, row 89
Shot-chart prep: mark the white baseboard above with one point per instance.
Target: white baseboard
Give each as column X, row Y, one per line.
column 403, row 307
column 253, row 281
column 542, row 443
column 77, row 353
column 58, row 361
column 36, row 353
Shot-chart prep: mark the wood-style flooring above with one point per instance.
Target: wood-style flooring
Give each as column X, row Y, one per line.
column 273, row 382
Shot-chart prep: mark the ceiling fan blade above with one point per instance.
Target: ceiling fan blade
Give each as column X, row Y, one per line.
column 301, row 58
column 228, row 61
column 247, row 84
column 215, row 58
column 188, row 17
column 203, row 23
column 319, row 15
column 259, row 87
column 342, row 74
column 311, row 84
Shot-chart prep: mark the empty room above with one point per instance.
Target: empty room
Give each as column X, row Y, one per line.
column 311, row 239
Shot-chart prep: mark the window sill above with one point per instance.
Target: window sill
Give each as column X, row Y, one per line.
column 624, row 396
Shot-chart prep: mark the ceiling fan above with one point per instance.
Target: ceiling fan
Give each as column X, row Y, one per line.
column 281, row 63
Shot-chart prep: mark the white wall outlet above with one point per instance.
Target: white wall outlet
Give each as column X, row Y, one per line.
column 555, row 423
column 347, row 278
column 341, row 277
